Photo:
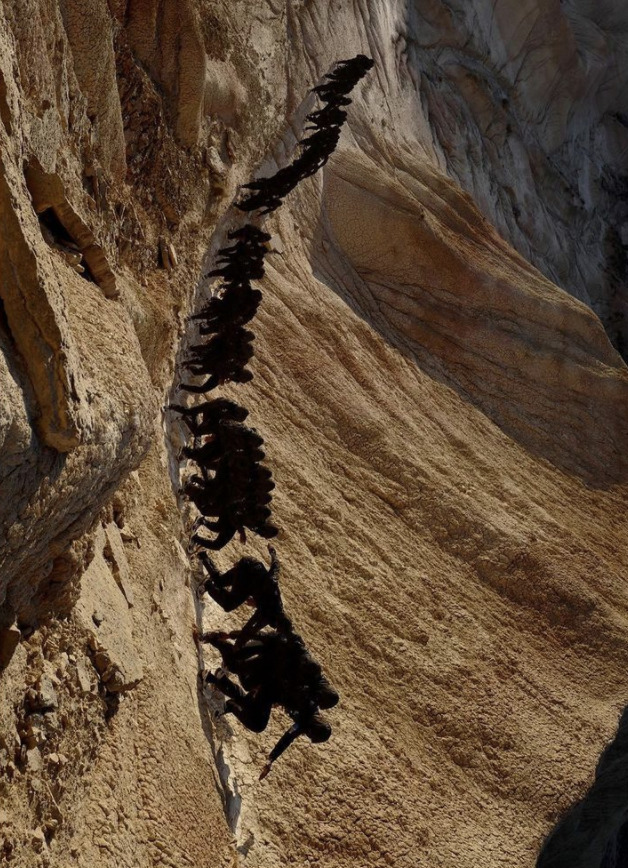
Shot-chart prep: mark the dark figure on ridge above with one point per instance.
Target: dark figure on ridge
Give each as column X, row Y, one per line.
column 211, row 413
column 275, row 669
column 233, row 487
column 233, row 374
column 269, row 192
column 236, row 306
column 248, row 581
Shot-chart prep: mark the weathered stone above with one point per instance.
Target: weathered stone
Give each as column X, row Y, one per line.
column 9, row 640
column 114, row 551
column 46, row 694
column 446, row 428
column 38, row 841
column 47, row 192
column 115, row 656
column 86, row 683
column 34, row 759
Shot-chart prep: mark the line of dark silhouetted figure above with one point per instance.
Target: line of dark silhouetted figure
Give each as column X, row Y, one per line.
column 317, row 148
column 273, row 665
column 232, row 490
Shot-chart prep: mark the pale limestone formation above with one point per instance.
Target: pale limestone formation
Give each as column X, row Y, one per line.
column 166, row 38
column 446, row 426
column 103, row 612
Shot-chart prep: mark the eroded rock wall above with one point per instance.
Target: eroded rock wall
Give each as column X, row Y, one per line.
column 447, row 427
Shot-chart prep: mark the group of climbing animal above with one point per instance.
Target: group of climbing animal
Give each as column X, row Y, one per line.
column 232, row 489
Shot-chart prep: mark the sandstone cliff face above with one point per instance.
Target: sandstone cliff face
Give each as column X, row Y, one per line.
column 447, row 427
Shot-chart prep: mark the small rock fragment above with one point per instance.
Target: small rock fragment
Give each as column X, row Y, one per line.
column 85, row 682
column 38, row 841
column 9, row 640
column 163, row 254
column 34, row 760
column 46, row 695
column 114, row 551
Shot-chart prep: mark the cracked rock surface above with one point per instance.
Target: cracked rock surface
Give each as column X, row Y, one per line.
column 444, row 409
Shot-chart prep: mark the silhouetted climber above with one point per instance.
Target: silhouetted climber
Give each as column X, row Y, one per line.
column 275, row 669
column 232, row 347
column 308, row 722
column 223, row 344
column 233, row 453
column 236, row 503
column 211, row 413
column 229, row 494
column 330, row 116
column 236, row 306
column 246, row 269
column 231, row 295
column 234, row 375
column 248, row 580
column 239, row 491
column 226, row 528
column 228, row 439
column 241, row 512
column 231, row 483
column 317, row 148
column 280, row 657
column 253, row 710
column 214, row 499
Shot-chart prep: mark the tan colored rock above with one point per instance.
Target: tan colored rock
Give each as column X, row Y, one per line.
column 90, row 36
column 47, row 192
column 441, row 278
column 114, row 552
column 167, row 39
column 224, row 94
column 38, row 841
column 39, row 333
column 115, row 655
column 9, row 640
column 446, row 427
column 34, row 760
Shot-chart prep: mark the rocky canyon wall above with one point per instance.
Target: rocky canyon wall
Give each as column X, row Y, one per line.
column 444, row 407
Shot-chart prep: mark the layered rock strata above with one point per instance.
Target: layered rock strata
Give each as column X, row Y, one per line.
column 446, row 426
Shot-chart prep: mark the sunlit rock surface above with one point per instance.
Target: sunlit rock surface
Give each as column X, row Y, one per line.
column 444, row 414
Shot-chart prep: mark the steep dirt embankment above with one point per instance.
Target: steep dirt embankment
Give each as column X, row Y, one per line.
column 121, row 141
column 447, row 430
column 464, row 593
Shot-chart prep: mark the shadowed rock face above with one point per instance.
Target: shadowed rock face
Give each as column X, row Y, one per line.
column 464, row 303
column 525, row 106
column 445, row 424
column 593, row 832
column 528, row 107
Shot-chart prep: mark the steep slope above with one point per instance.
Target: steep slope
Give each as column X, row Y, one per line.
column 465, row 595
column 447, row 428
